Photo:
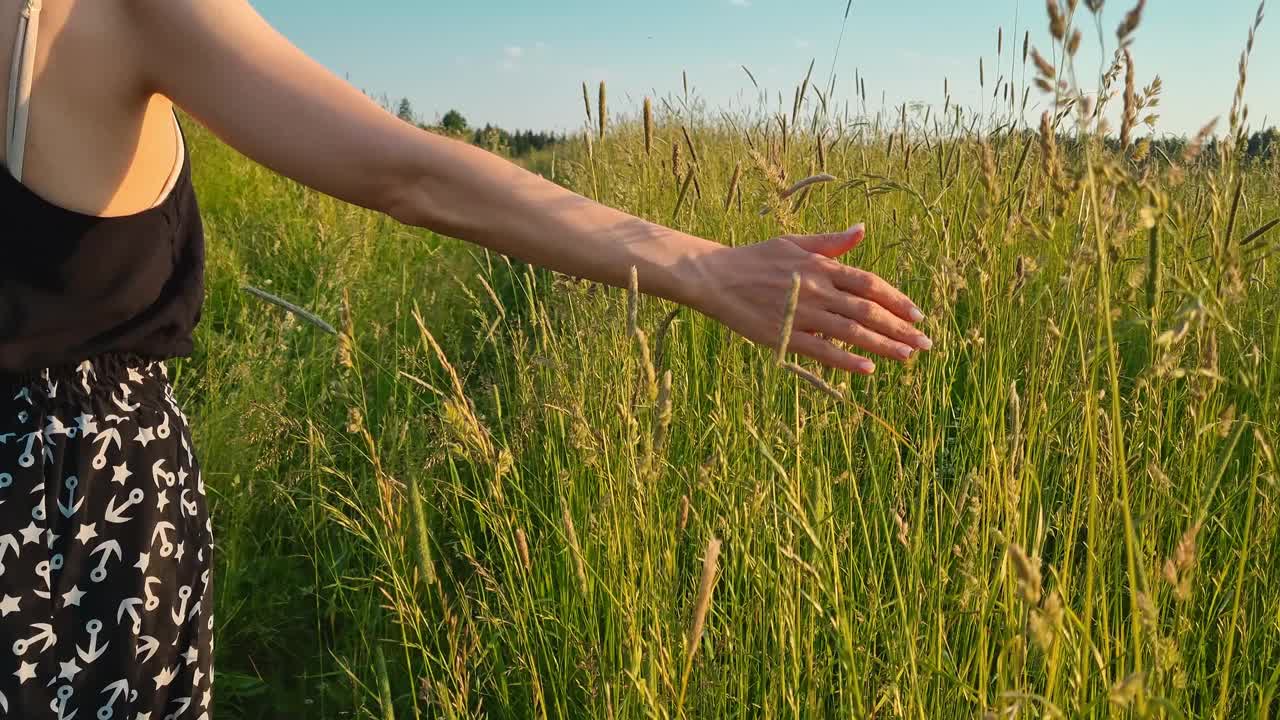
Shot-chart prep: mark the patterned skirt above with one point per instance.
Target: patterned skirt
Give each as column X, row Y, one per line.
column 106, row 548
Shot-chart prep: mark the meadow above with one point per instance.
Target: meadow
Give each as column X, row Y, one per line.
column 500, row 492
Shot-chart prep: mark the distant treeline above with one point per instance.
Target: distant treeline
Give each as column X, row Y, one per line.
column 490, row 137
column 1262, row 145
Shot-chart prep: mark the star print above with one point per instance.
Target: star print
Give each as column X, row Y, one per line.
column 143, row 716
column 164, row 677
column 162, row 499
column 182, row 476
column 195, row 678
column 121, row 472
column 30, row 533
column 87, row 424
column 72, row 596
column 9, row 604
column 191, row 654
column 25, row 672
column 69, row 669
column 178, row 555
column 145, row 435
column 134, row 376
column 87, row 532
column 144, row 559
column 50, row 536
column 204, row 699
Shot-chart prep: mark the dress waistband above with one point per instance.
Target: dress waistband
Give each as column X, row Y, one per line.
column 99, row 374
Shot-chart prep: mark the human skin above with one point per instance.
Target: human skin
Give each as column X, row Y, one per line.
column 225, row 66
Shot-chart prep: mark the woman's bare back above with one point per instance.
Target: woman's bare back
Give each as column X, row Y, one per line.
column 97, row 142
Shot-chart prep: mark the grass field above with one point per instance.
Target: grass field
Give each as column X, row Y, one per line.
column 495, row 494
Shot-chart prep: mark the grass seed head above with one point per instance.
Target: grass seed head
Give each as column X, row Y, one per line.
column 733, row 185
column 1131, row 21
column 1124, row 692
column 603, row 110
column 1130, row 114
column 1057, row 21
column 788, row 318
column 1046, row 68
column 522, row 547
column 579, row 565
column 661, row 422
column 1046, row 622
column 904, row 530
column 648, row 127
column 1028, row 574
column 347, row 334
column 633, row 301
column 710, row 563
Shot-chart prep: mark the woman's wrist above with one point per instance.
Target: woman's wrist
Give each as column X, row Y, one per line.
column 690, row 274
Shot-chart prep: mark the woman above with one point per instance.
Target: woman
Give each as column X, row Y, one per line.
column 106, row 547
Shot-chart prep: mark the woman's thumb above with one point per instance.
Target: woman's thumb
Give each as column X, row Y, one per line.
column 832, row 244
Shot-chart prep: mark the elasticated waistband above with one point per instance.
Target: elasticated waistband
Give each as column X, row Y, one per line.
column 98, row 376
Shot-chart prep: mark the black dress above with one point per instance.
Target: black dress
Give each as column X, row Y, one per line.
column 106, row 547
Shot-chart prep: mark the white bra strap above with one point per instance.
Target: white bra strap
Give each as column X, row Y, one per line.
column 20, row 76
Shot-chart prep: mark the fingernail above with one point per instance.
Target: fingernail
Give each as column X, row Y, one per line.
column 916, row 315
column 923, row 342
column 857, row 228
column 866, row 366
column 903, row 352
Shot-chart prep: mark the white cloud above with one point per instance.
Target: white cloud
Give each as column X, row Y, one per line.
column 541, row 46
column 740, row 3
column 802, row 44
column 513, row 51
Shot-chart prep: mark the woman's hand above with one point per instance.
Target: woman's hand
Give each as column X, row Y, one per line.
column 749, row 286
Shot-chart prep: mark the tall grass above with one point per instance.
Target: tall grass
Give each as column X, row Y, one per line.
column 506, row 493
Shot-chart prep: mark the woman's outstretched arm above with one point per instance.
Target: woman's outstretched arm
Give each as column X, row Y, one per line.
column 223, row 64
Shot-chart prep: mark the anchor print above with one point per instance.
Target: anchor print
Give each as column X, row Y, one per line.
column 94, row 651
column 119, row 583
column 120, row 687
column 44, row 634
column 68, row 510
column 104, row 440
column 116, row 514
column 99, row 573
column 7, row 542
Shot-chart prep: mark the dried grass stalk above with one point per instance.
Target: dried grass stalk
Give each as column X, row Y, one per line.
column 579, row 565
column 709, row 566
column 296, row 310
column 789, row 319
column 648, row 127
column 522, row 547
column 802, row 184
column 603, row 110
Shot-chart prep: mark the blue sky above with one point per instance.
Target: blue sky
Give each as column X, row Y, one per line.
column 522, row 64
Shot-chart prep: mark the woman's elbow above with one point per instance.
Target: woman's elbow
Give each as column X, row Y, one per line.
column 398, row 191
